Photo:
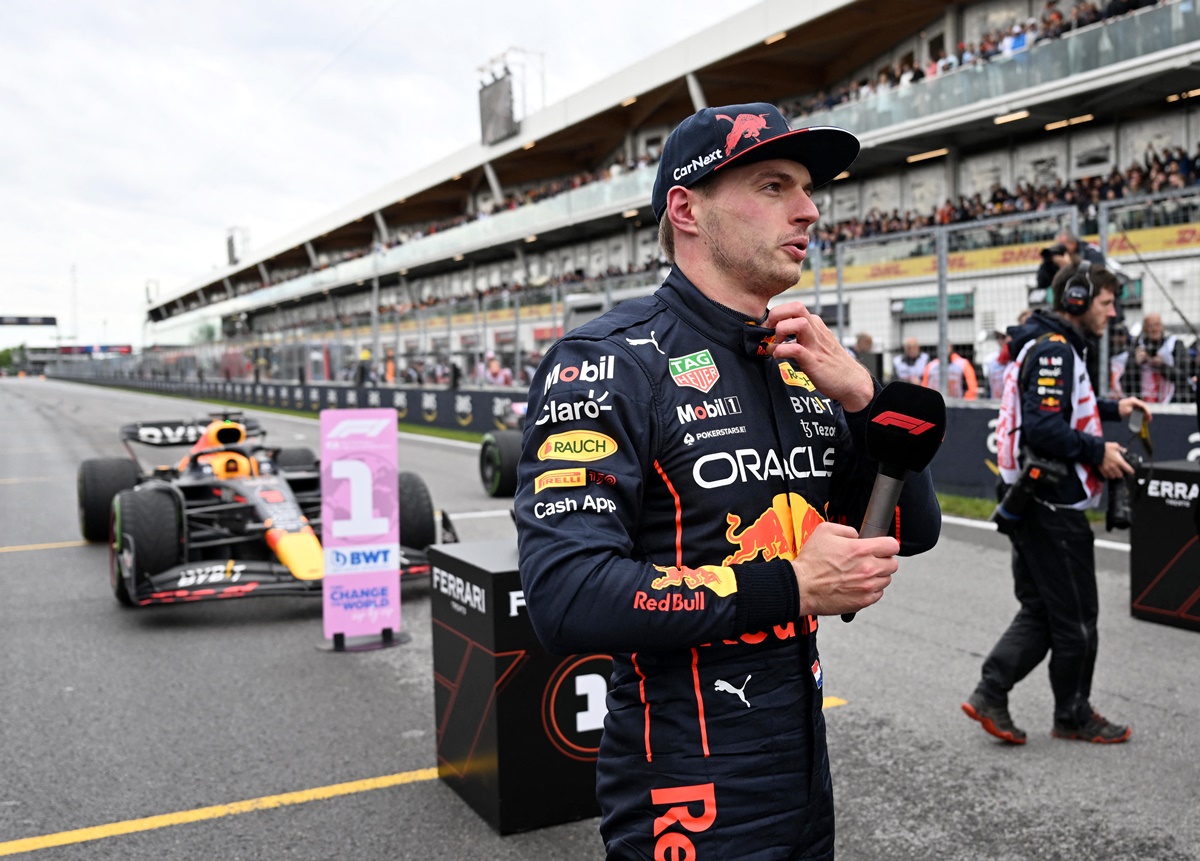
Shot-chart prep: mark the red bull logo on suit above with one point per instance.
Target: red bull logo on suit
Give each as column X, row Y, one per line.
column 773, row 534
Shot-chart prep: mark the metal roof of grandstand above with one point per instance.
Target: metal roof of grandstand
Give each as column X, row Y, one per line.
column 739, row 60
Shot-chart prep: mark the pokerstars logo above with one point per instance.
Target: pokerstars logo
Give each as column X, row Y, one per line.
column 585, row 372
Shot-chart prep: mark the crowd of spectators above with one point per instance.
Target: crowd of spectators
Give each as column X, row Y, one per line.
column 1158, row 171
column 995, row 44
column 1165, row 170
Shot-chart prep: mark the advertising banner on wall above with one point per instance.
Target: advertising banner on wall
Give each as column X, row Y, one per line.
column 360, row 523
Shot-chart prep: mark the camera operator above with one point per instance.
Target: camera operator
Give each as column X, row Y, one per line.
column 1159, row 368
column 1050, row 413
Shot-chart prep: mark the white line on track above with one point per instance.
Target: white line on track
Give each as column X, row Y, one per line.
column 988, row 525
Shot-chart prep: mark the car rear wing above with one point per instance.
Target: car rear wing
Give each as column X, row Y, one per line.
column 182, row 432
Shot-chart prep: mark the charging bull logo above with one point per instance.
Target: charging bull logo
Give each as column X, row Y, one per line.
column 719, row 580
column 773, row 533
column 745, row 126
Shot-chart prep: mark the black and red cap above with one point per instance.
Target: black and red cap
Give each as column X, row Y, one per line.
column 714, row 137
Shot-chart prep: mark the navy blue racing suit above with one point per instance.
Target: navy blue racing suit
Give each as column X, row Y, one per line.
column 670, row 470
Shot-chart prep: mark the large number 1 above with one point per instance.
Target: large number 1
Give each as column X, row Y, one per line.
column 362, row 492
column 594, row 688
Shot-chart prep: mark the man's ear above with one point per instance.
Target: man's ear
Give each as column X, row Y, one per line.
column 681, row 210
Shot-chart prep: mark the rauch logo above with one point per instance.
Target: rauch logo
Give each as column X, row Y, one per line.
column 577, row 445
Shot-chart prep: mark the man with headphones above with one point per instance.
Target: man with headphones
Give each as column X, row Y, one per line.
column 1050, row 410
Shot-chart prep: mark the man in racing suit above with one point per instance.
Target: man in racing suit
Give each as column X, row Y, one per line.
column 1050, row 408
column 689, row 491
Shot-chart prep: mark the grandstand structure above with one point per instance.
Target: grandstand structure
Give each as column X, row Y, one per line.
column 501, row 246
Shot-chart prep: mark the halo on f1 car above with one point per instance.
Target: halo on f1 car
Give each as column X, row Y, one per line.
column 231, row 518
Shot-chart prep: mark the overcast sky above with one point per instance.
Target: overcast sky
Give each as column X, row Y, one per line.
column 136, row 133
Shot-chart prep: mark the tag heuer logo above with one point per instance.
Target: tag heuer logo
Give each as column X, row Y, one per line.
column 697, row 371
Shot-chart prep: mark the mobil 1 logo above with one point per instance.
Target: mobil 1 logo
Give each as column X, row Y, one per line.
column 715, row 408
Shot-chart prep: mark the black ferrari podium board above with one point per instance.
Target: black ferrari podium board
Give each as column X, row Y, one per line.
column 518, row 729
column 1164, row 547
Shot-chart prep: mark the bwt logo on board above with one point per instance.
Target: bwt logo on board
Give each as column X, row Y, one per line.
column 376, row 557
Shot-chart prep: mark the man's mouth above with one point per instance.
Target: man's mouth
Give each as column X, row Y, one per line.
column 797, row 248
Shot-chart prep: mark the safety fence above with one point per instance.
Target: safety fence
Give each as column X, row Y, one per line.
column 956, row 288
column 965, row 464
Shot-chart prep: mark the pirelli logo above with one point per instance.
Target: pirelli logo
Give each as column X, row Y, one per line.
column 573, row 477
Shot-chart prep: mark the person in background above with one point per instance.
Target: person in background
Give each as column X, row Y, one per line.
column 1050, row 409
column 863, row 352
column 1159, row 368
column 1118, row 360
column 961, row 381
column 909, row 366
column 531, row 363
column 995, row 363
column 495, row 374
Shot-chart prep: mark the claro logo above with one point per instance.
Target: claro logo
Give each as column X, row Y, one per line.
column 577, row 445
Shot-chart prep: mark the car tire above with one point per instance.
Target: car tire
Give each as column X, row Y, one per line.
column 418, row 527
column 150, row 519
column 97, row 482
column 296, row 458
column 498, row 456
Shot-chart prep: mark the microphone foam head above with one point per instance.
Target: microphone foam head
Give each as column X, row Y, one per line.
column 906, row 425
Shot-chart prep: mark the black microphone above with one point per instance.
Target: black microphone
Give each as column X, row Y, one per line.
column 905, row 428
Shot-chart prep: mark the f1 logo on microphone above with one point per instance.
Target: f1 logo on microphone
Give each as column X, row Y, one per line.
column 914, row 426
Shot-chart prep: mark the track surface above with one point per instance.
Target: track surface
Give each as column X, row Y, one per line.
column 110, row 715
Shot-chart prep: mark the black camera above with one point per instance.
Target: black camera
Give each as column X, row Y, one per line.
column 1121, row 493
column 1038, row 473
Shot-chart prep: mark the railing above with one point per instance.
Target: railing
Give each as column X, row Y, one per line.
column 1130, row 38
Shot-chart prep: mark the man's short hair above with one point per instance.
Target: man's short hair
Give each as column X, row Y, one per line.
column 1099, row 278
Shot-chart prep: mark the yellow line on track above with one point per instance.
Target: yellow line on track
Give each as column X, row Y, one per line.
column 57, row 545
column 35, row 478
column 166, row 820
column 832, row 702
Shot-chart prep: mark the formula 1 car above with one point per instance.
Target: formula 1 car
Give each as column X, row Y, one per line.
column 231, row 518
column 499, row 452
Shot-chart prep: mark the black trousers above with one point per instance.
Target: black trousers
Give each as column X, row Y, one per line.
column 1054, row 576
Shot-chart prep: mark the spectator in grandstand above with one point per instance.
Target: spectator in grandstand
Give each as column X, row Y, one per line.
column 909, row 365
column 1159, row 368
column 961, row 381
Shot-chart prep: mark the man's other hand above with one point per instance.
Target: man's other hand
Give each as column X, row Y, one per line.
column 838, row 572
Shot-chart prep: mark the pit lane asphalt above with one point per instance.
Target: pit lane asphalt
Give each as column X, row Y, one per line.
column 110, row 715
